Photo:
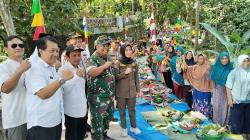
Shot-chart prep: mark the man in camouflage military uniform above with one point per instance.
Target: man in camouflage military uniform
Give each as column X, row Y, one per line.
column 100, row 89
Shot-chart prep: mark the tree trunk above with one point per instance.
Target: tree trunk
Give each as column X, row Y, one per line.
column 133, row 7
column 102, row 6
column 7, row 18
column 197, row 26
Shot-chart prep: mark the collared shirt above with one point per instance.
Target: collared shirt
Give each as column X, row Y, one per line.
column 47, row 112
column 13, row 104
column 114, row 55
column 102, row 85
column 74, row 98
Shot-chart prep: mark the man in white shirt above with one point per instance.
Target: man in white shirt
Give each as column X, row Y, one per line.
column 74, row 98
column 13, row 90
column 76, row 40
column 44, row 93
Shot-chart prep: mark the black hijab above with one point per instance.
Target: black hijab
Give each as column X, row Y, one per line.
column 171, row 54
column 191, row 61
column 124, row 59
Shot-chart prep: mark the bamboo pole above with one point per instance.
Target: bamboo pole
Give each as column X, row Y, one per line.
column 197, row 26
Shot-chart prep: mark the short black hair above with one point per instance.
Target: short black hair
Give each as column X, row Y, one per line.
column 9, row 38
column 41, row 43
column 200, row 55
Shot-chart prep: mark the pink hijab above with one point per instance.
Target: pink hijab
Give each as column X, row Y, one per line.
column 198, row 75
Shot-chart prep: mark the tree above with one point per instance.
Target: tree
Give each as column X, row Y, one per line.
column 6, row 17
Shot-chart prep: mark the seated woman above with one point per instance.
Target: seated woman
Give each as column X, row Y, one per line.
column 127, row 88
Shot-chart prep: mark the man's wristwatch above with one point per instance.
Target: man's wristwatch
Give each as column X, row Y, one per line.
column 61, row 81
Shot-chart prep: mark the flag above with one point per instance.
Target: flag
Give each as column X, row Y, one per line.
column 38, row 20
column 152, row 29
column 126, row 23
column 178, row 24
column 86, row 33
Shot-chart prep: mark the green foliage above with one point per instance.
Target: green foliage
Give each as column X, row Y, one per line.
column 234, row 49
column 229, row 15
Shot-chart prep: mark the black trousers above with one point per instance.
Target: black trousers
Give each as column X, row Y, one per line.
column 42, row 133
column 168, row 79
column 75, row 128
column 240, row 118
column 189, row 98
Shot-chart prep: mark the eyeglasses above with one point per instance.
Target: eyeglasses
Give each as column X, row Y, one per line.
column 15, row 45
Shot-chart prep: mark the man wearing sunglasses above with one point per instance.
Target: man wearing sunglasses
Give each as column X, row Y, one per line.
column 100, row 89
column 12, row 89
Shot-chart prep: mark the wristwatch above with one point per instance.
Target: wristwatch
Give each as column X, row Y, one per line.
column 61, row 82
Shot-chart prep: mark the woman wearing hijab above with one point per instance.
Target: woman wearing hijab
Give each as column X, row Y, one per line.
column 127, row 88
column 176, row 76
column 189, row 59
column 199, row 79
column 219, row 73
column 238, row 96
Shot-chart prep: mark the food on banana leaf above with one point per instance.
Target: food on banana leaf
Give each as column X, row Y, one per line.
column 197, row 115
column 187, row 125
column 148, row 97
column 158, row 100
column 177, row 116
column 174, row 115
column 147, row 82
column 170, row 100
column 165, row 96
column 197, row 121
column 213, row 130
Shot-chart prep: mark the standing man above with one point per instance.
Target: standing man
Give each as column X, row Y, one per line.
column 114, row 54
column 44, row 94
column 75, row 39
column 74, row 99
column 114, row 51
column 13, row 90
column 101, row 89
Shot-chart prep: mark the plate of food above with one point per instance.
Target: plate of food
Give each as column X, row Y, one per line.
column 158, row 101
column 213, row 132
column 187, row 125
column 148, row 97
column 177, row 126
column 173, row 115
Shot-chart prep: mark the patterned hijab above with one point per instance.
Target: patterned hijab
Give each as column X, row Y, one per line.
column 219, row 71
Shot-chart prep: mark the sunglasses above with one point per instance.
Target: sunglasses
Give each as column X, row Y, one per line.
column 15, row 45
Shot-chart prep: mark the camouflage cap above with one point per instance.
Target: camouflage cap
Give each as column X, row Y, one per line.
column 73, row 35
column 102, row 40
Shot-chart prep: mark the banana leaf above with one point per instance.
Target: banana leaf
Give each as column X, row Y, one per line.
column 212, row 51
column 225, row 41
column 246, row 36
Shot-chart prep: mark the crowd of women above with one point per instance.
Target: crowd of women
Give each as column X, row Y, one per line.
column 210, row 86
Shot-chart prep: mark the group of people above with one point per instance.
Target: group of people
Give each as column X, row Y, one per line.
column 41, row 94
column 212, row 88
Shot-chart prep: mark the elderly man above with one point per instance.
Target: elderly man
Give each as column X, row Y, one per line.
column 44, row 93
column 13, row 90
column 101, row 89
